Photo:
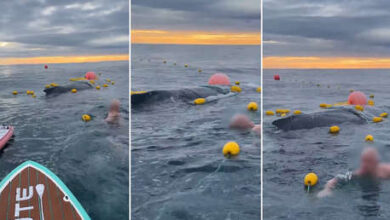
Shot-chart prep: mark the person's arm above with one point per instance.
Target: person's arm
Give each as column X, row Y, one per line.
column 329, row 186
column 385, row 171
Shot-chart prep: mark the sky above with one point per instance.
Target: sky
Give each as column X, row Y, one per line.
column 63, row 28
column 326, row 34
column 196, row 21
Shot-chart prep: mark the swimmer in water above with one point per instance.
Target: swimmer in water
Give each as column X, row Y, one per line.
column 113, row 115
column 242, row 122
column 370, row 168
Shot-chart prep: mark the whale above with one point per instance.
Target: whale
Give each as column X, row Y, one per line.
column 57, row 90
column 186, row 94
column 320, row 119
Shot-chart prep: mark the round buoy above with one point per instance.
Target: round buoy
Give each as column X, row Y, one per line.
column 47, row 86
column 90, row 76
column 269, row 112
column 324, row 105
column 15, row 92
column 46, row 66
column 383, row 115
column 199, row 101
column 74, row 90
column 199, row 70
column 258, row 89
column 297, row 112
column 92, row 82
column 231, row 149
column 185, row 65
column 86, row 118
column 105, row 85
column 377, row 119
column 252, row 106
column 334, row 129
column 97, row 87
column 108, row 80
column 219, row 79
column 276, row 77
column 235, row 89
column 237, row 83
column 283, row 115
column 357, row 98
column 359, row 108
column 311, row 179
column 369, row 138
column 53, row 84
column 371, row 96
column 371, row 102
column 112, row 83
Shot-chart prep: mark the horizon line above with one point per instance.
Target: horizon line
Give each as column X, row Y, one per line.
column 63, row 59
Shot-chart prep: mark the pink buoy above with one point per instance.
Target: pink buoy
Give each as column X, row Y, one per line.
column 46, row 66
column 219, row 79
column 276, row 77
column 357, row 98
column 90, row 76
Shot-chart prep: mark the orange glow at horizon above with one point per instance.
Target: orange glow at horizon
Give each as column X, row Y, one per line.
column 326, row 63
column 63, row 59
column 194, row 37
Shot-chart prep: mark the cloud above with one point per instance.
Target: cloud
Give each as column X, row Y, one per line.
column 63, row 27
column 327, row 28
column 197, row 15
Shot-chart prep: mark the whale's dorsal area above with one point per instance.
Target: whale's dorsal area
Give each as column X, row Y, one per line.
column 67, row 88
column 319, row 119
column 187, row 94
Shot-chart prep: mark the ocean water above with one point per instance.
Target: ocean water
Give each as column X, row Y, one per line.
column 289, row 156
column 178, row 170
column 91, row 158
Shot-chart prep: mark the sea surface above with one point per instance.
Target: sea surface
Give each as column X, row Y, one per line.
column 90, row 158
column 178, row 170
column 289, row 156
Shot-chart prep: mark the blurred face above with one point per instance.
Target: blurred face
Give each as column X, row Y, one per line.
column 114, row 106
column 241, row 122
column 369, row 162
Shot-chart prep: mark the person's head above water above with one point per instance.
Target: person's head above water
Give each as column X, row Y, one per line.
column 241, row 122
column 369, row 161
column 219, row 79
column 115, row 105
column 357, row 98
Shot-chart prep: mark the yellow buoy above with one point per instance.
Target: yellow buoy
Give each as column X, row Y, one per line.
column 137, row 92
column 269, row 112
column 186, row 65
column 282, row 111
column 15, row 92
column 324, row 105
column 34, row 96
column 283, row 115
column 371, row 96
column 105, row 85
column 297, row 112
column 86, row 117
column 97, row 87
column 370, row 102
column 235, row 89
column 237, row 83
column 199, row 101
column 369, row 138
column 47, row 86
column 199, row 70
column 252, row 106
column 108, row 80
column 53, row 84
column 334, row 129
column 311, row 179
column 92, row 81
column 112, row 83
column 74, row 90
column 28, row 92
column 258, row 89
column 377, row 119
column 359, row 108
column 231, row 149
column 383, row 115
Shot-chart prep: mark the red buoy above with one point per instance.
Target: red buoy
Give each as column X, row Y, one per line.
column 276, row 77
column 357, row 98
column 46, row 67
column 219, row 79
column 90, row 76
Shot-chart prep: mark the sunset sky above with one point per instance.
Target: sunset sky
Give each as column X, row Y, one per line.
column 61, row 31
column 326, row 34
column 196, row 22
